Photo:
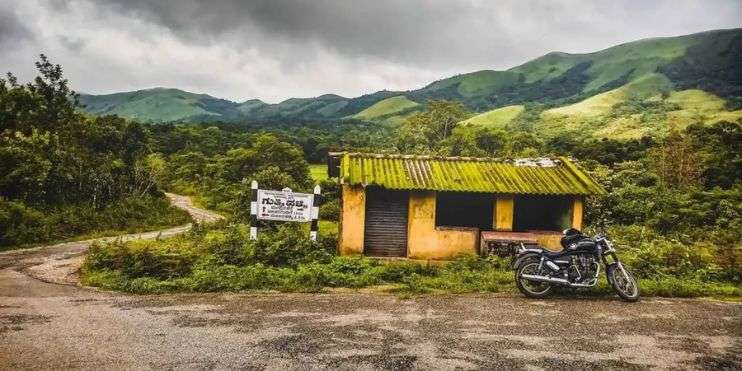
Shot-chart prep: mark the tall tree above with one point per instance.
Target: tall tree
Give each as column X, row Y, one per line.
column 677, row 162
column 47, row 103
column 428, row 131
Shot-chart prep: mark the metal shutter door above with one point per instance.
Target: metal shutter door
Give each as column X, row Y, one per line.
column 386, row 223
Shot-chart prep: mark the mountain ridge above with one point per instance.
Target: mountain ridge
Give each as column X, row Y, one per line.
column 710, row 61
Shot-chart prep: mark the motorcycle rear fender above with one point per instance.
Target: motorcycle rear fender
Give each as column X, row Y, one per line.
column 523, row 257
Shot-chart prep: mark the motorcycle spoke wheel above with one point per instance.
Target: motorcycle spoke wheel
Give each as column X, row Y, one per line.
column 624, row 284
column 534, row 287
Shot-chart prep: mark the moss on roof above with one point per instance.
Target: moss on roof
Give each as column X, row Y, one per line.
column 558, row 176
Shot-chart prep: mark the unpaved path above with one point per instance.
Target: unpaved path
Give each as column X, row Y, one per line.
column 60, row 263
column 45, row 325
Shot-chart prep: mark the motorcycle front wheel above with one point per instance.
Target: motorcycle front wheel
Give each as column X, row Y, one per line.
column 623, row 282
column 532, row 289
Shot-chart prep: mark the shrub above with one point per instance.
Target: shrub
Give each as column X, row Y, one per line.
column 289, row 245
column 330, row 211
column 19, row 223
column 652, row 255
column 231, row 246
column 141, row 258
column 22, row 224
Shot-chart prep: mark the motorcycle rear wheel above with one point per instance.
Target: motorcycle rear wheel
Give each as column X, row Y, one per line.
column 531, row 289
column 627, row 289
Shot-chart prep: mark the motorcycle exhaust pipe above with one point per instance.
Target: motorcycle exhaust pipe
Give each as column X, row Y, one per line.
column 560, row 281
column 534, row 277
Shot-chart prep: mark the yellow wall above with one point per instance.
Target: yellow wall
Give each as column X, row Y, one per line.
column 425, row 241
column 352, row 217
column 504, row 210
column 577, row 208
column 550, row 240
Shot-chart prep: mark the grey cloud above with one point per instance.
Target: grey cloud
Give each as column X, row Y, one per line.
column 73, row 44
column 12, row 29
column 387, row 29
column 427, row 33
column 276, row 49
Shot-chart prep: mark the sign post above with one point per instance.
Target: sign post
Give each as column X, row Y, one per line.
column 285, row 206
column 315, row 213
column 254, row 210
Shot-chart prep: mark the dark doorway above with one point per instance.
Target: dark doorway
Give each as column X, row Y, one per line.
column 542, row 213
column 386, row 223
column 461, row 209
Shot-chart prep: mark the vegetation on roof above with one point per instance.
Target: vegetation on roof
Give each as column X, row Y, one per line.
column 467, row 174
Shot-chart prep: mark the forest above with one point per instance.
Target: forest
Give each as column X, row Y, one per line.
column 673, row 203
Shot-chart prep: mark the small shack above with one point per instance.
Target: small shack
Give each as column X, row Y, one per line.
column 434, row 208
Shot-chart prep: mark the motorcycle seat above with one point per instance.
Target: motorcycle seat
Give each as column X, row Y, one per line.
column 553, row 254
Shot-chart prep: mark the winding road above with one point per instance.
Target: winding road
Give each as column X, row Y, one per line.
column 47, row 321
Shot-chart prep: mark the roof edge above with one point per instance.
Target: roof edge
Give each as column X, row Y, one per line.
column 555, row 159
column 582, row 175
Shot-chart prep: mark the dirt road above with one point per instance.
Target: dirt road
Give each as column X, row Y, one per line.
column 47, row 322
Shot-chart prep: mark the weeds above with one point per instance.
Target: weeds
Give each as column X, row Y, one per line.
column 223, row 258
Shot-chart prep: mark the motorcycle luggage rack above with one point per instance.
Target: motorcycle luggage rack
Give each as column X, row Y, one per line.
column 506, row 244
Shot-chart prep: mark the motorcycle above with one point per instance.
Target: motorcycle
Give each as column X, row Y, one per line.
column 538, row 270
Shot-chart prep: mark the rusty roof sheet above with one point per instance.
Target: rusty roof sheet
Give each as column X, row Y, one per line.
column 544, row 176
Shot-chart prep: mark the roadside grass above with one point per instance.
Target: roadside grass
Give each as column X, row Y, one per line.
column 405, row 279
column 328, row 228
column 216, row 259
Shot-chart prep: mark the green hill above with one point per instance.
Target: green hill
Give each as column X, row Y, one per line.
column 711, row 61
column 496, row 118
column 159, row 105
column 387, row 107
column 602, row 92
column 643, row 87
column 645, row 106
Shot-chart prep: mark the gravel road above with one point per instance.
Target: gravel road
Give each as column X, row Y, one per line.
column 48, row 322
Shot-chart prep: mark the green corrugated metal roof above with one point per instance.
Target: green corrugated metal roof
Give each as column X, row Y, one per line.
column 465, row 174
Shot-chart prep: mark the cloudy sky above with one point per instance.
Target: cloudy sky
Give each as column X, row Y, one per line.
column 276, row 49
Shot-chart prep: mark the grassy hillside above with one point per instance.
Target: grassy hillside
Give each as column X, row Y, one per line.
column 387, row 107
column 591, row 91
column 470, row 85
column 645, row 106
column 642, row 88
column 496, row 118
column 159, row 105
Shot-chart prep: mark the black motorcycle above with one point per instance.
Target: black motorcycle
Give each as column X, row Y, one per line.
column 538, row 270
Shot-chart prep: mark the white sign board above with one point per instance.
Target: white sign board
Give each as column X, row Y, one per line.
column 284, row 206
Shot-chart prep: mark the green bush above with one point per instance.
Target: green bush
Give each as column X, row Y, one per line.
column 231, row 246
column 289, row 245
column 142, row 258
column 652, row 255
column 19, row 223
column 330, row 210
column 22, row 225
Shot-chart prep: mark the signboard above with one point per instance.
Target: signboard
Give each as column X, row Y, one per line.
column 284, row 205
